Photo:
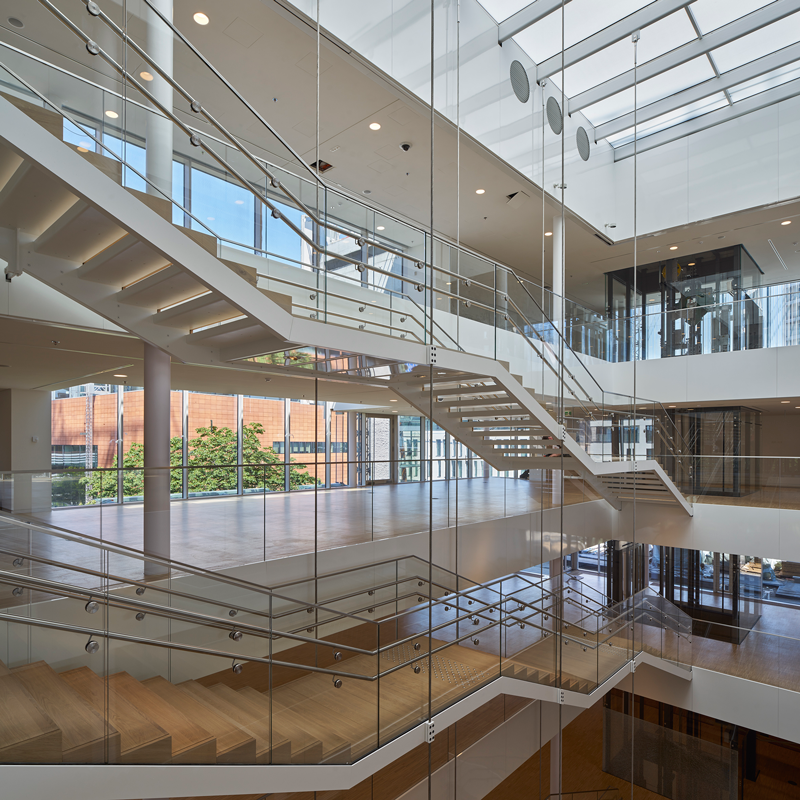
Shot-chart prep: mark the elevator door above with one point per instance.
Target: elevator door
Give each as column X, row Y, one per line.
column 379, row 448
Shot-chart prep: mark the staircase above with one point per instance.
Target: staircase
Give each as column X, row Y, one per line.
column 497, row 418
column 170, row 676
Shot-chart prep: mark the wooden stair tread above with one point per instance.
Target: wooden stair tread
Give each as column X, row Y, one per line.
column 142, row 741
column 86, row 737
column 306, row 748
column 248, row 715
column 191, row 744
column 257, row 727
column 27, row 734
column 234, row 746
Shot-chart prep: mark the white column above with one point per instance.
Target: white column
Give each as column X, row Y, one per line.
column 157, row 377
column 558, row 266
column 25, row 437
column 158, row 154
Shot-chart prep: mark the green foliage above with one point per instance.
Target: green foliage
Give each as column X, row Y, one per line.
column 211, row 462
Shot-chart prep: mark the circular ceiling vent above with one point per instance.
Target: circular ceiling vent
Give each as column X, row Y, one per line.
column 519, row 82
column 554, row 115
column 584, row 146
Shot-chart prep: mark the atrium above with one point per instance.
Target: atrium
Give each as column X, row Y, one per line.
column 400, row 399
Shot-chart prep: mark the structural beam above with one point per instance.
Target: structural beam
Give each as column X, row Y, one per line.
column 774, row 12
column 740, row 109
column 761, row 66
column 611, row 35
column 526, row 17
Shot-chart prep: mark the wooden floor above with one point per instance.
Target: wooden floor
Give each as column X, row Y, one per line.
column 224, row 532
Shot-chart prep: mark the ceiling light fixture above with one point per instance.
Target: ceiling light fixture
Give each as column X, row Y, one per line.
column 120, row 375
column 548, row 233
column 786, row 222
column 393, row 401
column 381, row 228
column 783, row 402
column 16, row 23
column 146, row 76
column 112, row 114
column 480, row 191
column 690, row 264
column 674, row 247
column 670, row 406
column 374, row 126
column 200, row 18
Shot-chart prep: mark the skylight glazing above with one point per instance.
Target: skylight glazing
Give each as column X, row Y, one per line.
column 664, row 85
column 757, row 44
column 503, row 9
column 713, row 14
column 763, row 83
column 657, row 39
column 583, row 18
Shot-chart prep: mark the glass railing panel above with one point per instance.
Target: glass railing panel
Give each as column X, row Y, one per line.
column 40, row 672
column 734, row 480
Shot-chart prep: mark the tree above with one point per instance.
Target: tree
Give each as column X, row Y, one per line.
column 212, row 461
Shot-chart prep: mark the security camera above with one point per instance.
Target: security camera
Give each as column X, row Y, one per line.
column 405, row 147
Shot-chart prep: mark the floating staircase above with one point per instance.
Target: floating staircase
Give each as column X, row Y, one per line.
column 500, row 420
column 116, row 251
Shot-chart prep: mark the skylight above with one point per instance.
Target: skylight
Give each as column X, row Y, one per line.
column 582, row 18
column 713, row 14
column 502, row 9
column 759, row 43
column 657, row 39
column 761, row 28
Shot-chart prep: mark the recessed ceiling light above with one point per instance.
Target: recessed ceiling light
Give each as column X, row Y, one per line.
column 690, row 264
column 786, row 222
column 112, row 114
column 393, row 401
column 146, row 76
column 670, row 406
column 480, row 191
column 381, row 228
column 200, row 18
column 120, row 375
column 16, row 23
column 367, row 191
column 674, row 247
column 374, row 126
column 548, row 233
column 785, row 401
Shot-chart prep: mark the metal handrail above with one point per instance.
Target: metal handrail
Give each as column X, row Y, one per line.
column 169, row 564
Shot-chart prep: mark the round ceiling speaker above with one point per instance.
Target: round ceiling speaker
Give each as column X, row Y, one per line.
column 519, row 82
column 584, row 146
column 554, row 116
